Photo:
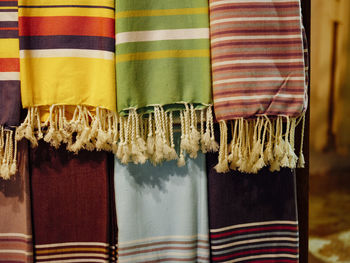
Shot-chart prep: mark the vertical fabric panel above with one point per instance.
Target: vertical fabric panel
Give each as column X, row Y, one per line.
column 71, row 206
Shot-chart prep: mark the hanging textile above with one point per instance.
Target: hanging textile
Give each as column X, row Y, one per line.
column 258, row 82
column 71, row 206
column 163, row 66
column 162, row 212
column 252, row 218
column 15, row 220
column 68, row 72
column 10, row 96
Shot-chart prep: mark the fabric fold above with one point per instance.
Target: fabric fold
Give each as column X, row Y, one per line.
column 163, row 69
column 10, row 96
column 16, row 242
column 259, row 82
column 252, row 218
column 71, row 197
column 68, row 73
column 162, row 212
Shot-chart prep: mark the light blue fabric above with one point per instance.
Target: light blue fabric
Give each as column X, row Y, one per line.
column 162, row 212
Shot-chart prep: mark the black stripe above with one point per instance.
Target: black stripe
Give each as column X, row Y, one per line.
column 8, row 24
column 8, row 33
column 9, row 3
column 65, row 6
column 8, row 10
column 74, row 42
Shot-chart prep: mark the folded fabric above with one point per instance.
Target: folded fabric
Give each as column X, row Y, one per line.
column 15, row 221
column 259, row 81
column 252, row 218
column 10, row 96
column 163, row 67
column 71, row 206
column 162, row 212
column 68, row 72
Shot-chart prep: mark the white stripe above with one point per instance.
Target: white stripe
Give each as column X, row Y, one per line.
column 9, row 75
column 15, row 251
column 167, row 238
column 252, row 97
column 159, row 255
column 157, row 35
column 9, row 16
column 244, row 19
column 15, row 235
column 247, row 61
column 65, row 53
column 76, row 260
column 75, row 244
column 256, row 79
column 276, row 37
column 70, row 255
column 249, row 241
column 264, row 256
column 248, row 1
column 253, row 224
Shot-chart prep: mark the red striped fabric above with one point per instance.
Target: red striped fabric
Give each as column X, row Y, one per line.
column 257, row 58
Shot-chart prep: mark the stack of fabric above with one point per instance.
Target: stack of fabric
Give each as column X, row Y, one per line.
column 119, row 103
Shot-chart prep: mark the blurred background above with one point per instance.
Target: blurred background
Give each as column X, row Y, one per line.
column 329, row 206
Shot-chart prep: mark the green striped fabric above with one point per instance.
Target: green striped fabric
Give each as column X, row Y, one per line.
column 162, row 54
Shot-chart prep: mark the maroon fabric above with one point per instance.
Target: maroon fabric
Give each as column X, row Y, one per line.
column 71, row 204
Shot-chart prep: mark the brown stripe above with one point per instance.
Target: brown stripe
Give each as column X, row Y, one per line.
column 76, row 249
column 163, row 243
column 161, row 249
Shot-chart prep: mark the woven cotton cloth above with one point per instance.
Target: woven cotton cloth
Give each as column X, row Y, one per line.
column 163, row 64
column 71, row 197
column 10, row 96
column 67, row 70
column 258, row 70
column 15, row 221
column 162, row 212
column 258, row 223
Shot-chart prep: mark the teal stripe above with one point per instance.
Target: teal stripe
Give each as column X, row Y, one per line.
column 135, row 47
column 129, row 24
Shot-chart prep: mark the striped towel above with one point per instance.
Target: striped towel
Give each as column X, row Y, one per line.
column 68, row 72
column 10, row 97
column 71, row 197
column 258, row 80
column 163, row 66
column 162, row 212
column 256, row 224
column 15, row 221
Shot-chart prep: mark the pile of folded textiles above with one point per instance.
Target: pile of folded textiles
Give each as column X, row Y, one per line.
column 154, row 83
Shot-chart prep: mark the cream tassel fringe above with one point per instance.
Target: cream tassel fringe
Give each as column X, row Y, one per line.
column 134, row 138
column 258, row 143
column 8, row 154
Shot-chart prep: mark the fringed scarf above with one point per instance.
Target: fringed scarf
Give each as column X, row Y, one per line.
column 71, row 206
column 15, row 220
column 10, row 96
column 163, row 69
column 259, row 83
column 162, row 212
column 252, row 218
column 68, row 72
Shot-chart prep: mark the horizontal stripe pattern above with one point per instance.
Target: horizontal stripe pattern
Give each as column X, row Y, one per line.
column 171, row 38
column 15, row 247
column 270, row 241
column 257, row 58
column 72, row 252
column 164, row 249
column 65, row 31
column 9, row 49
